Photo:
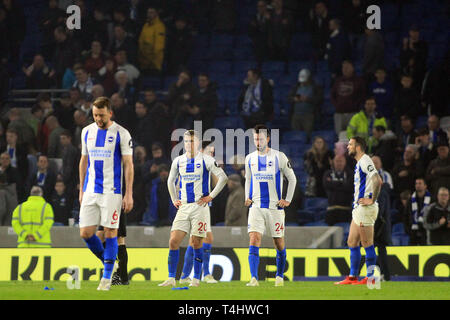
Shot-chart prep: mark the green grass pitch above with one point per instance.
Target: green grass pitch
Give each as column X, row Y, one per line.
column 235, row 290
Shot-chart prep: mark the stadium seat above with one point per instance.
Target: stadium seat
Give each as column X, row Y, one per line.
column 320, row 223
column 316, row 203
column 294, row 136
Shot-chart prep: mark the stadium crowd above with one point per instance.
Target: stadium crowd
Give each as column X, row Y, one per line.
column 401, row 111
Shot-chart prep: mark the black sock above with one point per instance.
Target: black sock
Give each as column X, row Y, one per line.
column 123, row 262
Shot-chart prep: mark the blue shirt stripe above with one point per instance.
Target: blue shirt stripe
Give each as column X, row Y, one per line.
column 262, row 163
column 205, row 180
column 265, row 198
column 86, row 178
column 190, row 192
column 251, row 181
column 101, row 137
column 118, row 167
column 98, row 167
column 362, row 184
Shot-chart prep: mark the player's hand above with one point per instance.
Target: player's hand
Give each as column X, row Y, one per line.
column 127, row 203
column 283, row 203
column 177, row 204
column 204, row 201
column 30, row 237
column 365, row 201
column 248, row 202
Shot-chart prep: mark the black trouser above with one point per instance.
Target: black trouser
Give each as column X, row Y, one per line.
column 382, row 262
column 334, row 216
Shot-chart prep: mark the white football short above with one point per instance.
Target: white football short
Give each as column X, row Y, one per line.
column 262, row 219
column 100, row 209
column 367, row 215
column 193, row 219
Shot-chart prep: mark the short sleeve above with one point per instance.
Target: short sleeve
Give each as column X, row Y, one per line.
column 368, row 167
column 126, row 143
column 213, row 166
column 84, row 150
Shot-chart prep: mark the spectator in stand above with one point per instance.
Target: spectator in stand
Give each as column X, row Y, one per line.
column 143, row 130
column 150, row 98
column 54, row 149
column 319, row 27
column 385, row 175
column 123, row 42
column 401, row 204
column 16, row 26
column 318, row 160
column 435, row 95
column 25, row 133
column 438, row 171
column 124, row 88
column 256, row 99
column 50, row 18
column 407, row 99
column 305, row 98
column 383, row 146
column 61, row 204
column 123, row 64
column 81, row 120
column 64, row 111
column 338, row 184
column 427, row 149
column 338, row 48
column 258, row 31
column 181, row 99
column 38, row 74
column 120, row 16
column 160, row 210
column 9, row 179
column 162, row 124
column 413, row 218
column 94, row 59
column 97, row 91
column 414, row 51
column 35, row 120
column 107, row 76
column 347, row 95
column 436, row 132
column 235, row 211
column 122, row 112
column 363, row 122
column 179, row 46
column 280, row 30
column 44, row 177
column 5, row 45
column 18, row 160
column 373, row 53
column 65, row 54
column 75, row 97
column 139, row 192
column 437, row 219
column 70, row 161
column 150, row 168
column 152, row 42
column 355, row 23
column 381, row 88
column 406, row 135
column 406, row 172
column 207, row 100
column 84, row 83
column 100, row 28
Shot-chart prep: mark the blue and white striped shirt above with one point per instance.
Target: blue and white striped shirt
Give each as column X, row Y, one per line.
column 364, row 170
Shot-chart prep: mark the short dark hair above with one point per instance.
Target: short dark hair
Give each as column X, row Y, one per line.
column 102, row 102
column 66, row 133
column 261, row 128
column 256, row 72
column 361, row 142
column 422, row 178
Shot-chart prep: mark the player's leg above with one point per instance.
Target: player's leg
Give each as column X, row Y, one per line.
column 92, row 241
column 256, row 228
column 122, row 254
column 207, row 246
column 275, row 225
column 89, row 218
column 355, row 254
column 188, row 263
column 199, row 222
column 198, row 259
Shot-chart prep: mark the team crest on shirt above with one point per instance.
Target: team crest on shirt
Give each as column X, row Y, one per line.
column 198, row 165
column 289, row 165
column 270, row 163
column 110, row 139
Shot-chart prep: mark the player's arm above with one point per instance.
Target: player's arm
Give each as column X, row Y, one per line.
column 128, row 167
column 173, row 175
column 248, row 178
column 288, row 172
column 221, row 182
column 82, row 169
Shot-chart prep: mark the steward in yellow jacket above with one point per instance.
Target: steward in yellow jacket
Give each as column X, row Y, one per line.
column 32, row 221
column 152, row 42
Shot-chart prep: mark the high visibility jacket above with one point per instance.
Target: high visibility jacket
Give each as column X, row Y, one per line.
column 33, row 217
column 151, row 45
column 359, row 126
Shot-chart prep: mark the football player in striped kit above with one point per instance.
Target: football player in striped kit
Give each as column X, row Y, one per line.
column 106, row 156
column 264, row 172
column 194, row 170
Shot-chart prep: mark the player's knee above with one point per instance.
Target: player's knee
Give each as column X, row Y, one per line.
column 84, row 234
column 366, row 243
column 197, row 242
column 209, row 238
column 255, row 239
column 173, row 244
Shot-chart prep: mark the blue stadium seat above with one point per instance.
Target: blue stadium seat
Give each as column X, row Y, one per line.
column 328, row 135
column 243, row 52
column 223, row 67
column 343, row 225
column 320, row 223
column 273, row 66
column 242, row 66
column 294, row 136
column 398, row 228
column 228, row 122
column 317, row 203
column 221, row 40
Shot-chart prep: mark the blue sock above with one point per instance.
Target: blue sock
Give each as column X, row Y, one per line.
column 174, row 255
column 371, row 259
column 281, row 262
column 188, row 262
column 355, row 260
column 96, row 246
column 198, row 263
column 253, row 260
column 206, row 256
column 110, row 256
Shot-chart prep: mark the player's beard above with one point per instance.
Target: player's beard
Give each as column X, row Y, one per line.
column 101, row 124
column 262, row 148
column 352, row 154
